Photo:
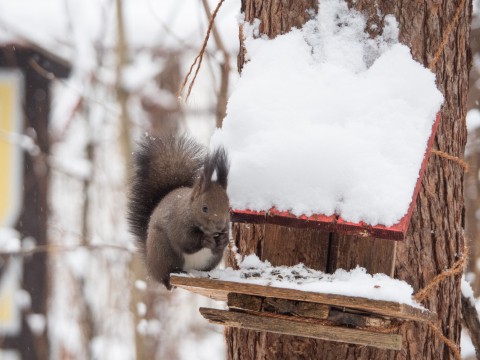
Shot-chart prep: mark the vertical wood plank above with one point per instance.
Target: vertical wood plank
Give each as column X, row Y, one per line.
column 281, row 245
column 375, row 255
column 290, row 246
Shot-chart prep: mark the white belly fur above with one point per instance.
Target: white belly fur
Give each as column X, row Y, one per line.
column 198, row 261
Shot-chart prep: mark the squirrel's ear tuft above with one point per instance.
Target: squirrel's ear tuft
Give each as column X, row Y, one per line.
column 215, row 169
column 221, row 165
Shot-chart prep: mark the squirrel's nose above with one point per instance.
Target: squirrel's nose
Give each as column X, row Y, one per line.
column 219, row 223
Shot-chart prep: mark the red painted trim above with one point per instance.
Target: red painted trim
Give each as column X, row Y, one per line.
column 405, row 221
column 337, row 224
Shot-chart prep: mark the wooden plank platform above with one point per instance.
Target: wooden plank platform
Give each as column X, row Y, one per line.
column 306, row 310
column 289, row 325
column 336, row 223
column 219, row 290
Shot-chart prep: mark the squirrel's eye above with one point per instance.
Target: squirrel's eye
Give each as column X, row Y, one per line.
column 205, row 208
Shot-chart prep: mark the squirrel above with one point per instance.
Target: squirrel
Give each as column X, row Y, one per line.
column 178, row 207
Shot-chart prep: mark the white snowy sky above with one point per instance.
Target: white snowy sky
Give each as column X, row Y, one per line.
column 169, row 24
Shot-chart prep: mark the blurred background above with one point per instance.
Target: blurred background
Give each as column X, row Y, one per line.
column 80, row 82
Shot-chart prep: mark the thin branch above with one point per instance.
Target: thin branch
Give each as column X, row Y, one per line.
column 222, row 94
column 199, row 58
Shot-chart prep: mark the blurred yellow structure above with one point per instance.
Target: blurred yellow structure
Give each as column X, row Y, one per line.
column 10, row 311
column 11, row 164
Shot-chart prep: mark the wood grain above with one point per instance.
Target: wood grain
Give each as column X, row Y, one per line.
column 277, row 306
column 281, row 245
column 290, row 246
column 296, row 326
column 376, row 255
column 357, row 320
column 242, row 302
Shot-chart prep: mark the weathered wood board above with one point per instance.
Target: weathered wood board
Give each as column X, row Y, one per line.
column 289, row 325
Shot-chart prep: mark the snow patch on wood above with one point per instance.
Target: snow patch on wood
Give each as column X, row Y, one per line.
column 356, row 282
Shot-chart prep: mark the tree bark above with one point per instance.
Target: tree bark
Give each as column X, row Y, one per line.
column 435, row 238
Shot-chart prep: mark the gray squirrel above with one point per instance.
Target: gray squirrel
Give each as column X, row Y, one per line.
column 178, row 206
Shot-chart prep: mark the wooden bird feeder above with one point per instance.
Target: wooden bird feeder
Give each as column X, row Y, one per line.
column 347, row 319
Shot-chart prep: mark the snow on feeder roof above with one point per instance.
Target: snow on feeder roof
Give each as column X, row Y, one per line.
column 328, row 127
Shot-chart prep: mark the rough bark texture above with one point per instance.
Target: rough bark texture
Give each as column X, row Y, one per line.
column 435, row 238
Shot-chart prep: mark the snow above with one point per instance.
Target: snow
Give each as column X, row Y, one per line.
column 206, row 348
column 141, row 309
column 468, row 350
column 140, row 71
column 150, row 327
column 105, row 348
column 9, row 240
column 37, row 323
column 466, row 346
column 326, row 120
column 140, row 285
column 467, row 290
column 28, row 243
column 23, row 299
column 473, row 120
column 356, row 282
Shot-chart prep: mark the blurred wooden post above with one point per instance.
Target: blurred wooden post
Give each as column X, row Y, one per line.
column 38, row 69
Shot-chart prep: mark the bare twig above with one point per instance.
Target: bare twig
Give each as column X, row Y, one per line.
column 199, row 58
column 225, row 72
column 181, row 41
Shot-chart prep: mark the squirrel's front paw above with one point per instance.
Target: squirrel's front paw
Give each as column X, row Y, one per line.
column 167, row 284
column 208, row 242
column 221, row 240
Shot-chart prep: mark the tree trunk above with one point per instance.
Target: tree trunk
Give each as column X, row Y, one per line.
column 435, row 238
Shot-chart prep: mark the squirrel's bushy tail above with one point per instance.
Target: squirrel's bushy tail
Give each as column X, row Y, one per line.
column 161, row 165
